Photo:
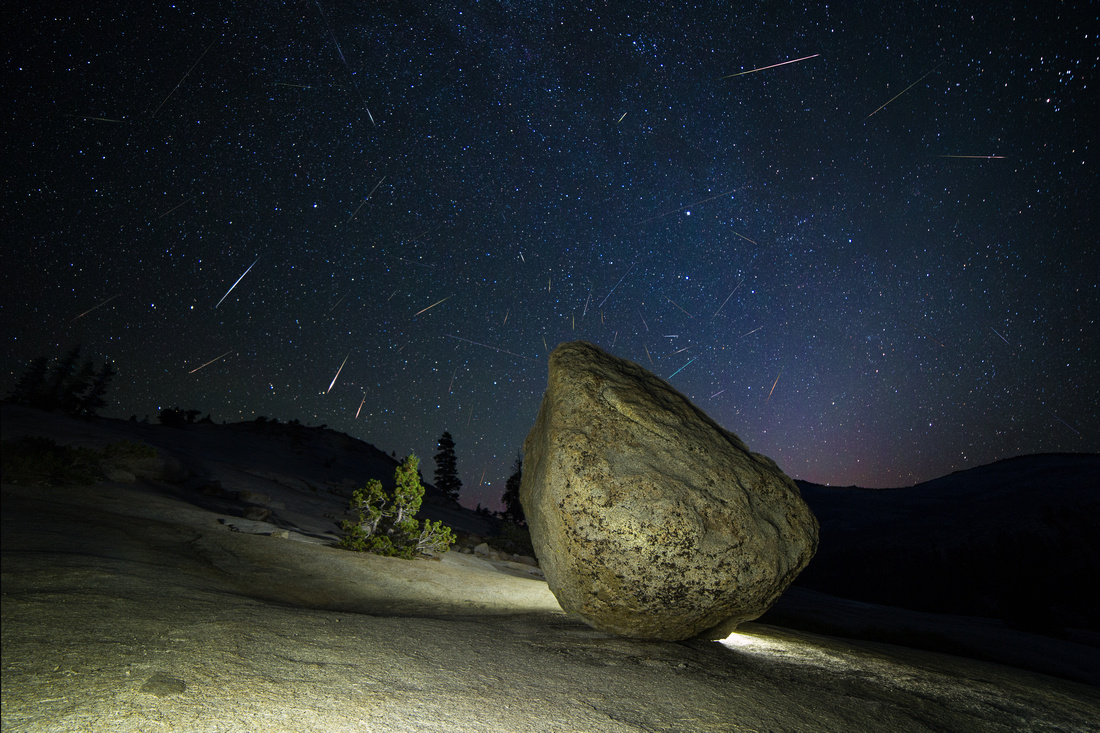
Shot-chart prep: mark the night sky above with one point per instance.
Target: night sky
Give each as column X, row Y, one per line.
column 876, row 261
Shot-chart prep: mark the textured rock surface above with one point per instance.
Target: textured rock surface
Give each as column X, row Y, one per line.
column 649, row 519
column 128, row 609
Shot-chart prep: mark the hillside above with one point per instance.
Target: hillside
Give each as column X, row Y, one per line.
column 1017, row 540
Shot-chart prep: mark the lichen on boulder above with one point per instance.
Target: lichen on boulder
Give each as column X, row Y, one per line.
column 649, row 519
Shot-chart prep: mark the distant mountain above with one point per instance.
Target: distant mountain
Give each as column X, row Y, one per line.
column 1017, row 540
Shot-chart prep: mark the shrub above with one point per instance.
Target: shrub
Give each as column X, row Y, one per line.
column 174, row 417
column 37, row 461
column 386, row 524
column 514, row 538
column 122, row 450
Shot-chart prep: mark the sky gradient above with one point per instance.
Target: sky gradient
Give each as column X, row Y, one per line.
column 875, row 261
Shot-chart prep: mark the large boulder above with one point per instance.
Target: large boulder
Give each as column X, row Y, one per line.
column 649, row 519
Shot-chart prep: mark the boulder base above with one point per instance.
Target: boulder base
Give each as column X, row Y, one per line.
column 649, row 519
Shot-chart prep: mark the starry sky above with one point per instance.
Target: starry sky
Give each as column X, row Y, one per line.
column 862, row 236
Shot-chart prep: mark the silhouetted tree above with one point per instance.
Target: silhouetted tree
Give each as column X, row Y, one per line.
column 62, row 386
column 513, row 511
column 92, row 400
column 76, row 386
column 446, row 467
column 30, row 390
column 172, row 417
column 61, row 376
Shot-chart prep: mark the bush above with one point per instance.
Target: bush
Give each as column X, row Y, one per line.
column 514, row 538
column 123, row 450
column 174, row 417
column 386, row 524
column 37, row 461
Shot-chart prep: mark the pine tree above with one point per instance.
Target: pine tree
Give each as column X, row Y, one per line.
column 385, row 523
column 76, row 388
column 446, row 467
column 92, row 400
column 61, row 386
column 30, row 390
column 513, row 510
column 60, row 379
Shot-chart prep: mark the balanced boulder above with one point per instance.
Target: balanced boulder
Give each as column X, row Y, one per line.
column 649, row 519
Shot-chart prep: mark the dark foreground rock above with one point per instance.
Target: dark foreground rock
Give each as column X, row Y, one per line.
column 649, row 519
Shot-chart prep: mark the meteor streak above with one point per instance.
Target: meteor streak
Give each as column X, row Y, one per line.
column 670, row 376
column 750, row 333
column 345, row 361
column 763, row 68
column 903, row 91
column 685, row 206
column 227, row 292
column 1001, row 337
column 182, row 79
column 907, row 323
column 341, row 52
column 360, row 405
column 616, row 285
column 670, row 300
column 487, row 346
column 97, row 119
column 92, row 309
column 979, row 157
column 433, row 305
column 728, row 296
column 210, row 362
column 1062, row 421
column 364, row 200
column 174, row 208
column 773, row 385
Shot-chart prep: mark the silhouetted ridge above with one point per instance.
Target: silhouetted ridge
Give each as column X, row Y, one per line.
column 1018, row 540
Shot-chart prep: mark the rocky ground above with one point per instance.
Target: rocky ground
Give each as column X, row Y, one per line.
column 138, row 607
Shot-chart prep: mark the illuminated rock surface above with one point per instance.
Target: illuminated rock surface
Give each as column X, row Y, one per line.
column 650, row 520
column 128, row 608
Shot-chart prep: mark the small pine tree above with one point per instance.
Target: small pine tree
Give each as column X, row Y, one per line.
column 446, row 467
column 513, row 511
column 386, row 524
